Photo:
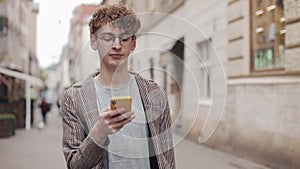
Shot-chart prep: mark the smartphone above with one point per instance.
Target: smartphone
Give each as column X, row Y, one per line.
column 122, row 101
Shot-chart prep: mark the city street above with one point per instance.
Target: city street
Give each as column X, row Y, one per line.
column 230, row 71
column 36, row 149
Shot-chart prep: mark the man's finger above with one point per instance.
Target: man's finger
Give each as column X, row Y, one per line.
column 116, row 112
column 122, row 123
column 105, row 110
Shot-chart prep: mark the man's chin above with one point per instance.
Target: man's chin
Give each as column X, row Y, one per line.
column 117, row 64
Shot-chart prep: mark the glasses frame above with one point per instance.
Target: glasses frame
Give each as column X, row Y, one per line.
column 110, row 42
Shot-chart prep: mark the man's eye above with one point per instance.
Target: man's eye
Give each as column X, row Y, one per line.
column 108, row 38
column 126, row 38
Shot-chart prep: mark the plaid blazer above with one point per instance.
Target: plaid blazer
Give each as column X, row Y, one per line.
column 80, row 113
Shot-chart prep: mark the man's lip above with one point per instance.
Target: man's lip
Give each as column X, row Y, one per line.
column 116, row 55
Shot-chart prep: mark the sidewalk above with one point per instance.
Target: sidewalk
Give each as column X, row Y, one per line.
column 41, row 149
column 190, row 155
column 34, row 149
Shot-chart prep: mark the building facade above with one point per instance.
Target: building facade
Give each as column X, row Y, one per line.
column 78, row 59
column 249, row 49
column 260, row 119
column 18, row 44
column 261, row 111
column 64, row 70
column 19, row 70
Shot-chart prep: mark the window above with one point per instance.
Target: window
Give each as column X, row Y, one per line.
column 3, row 25
column 151, row 68
column 205, row 51
column 152, row 5
column 268, row 34
column 3, row 89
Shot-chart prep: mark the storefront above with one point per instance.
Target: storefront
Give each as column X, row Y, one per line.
column 31, row 85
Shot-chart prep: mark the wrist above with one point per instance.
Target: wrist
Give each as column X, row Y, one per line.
column 100, row 138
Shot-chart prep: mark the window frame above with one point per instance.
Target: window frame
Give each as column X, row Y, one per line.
column 206, row 91
column 3, row 26
column 276, row 66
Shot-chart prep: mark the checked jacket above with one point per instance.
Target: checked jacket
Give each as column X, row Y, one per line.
column 80, row 113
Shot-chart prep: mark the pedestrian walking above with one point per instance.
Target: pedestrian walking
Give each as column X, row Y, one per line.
column 45, row 108
column 94, row 135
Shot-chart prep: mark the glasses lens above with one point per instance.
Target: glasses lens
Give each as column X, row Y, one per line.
column 124, row 40
column 108, row 40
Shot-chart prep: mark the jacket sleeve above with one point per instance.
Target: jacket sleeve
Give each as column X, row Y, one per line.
column 80, row 151
column 161, row 128
column 166, row 133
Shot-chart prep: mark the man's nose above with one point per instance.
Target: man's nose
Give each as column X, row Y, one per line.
column 117, row 43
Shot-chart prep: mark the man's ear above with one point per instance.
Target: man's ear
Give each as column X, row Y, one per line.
column 93, row 41
column 133, row 45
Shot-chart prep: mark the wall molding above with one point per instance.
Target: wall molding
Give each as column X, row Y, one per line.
column 232, row 58
column 230, row 2
column 235, row 19
column 292, row 21
column 293, row 46
column 263, row 81
column 235, row 39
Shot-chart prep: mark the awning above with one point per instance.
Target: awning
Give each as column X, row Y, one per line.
column 34, row 81
column 30, row 81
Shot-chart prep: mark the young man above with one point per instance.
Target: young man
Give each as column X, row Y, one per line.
column 94, row 136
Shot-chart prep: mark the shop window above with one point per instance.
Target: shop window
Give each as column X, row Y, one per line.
column 267, row 34
column 3, row 91
column 3, row 25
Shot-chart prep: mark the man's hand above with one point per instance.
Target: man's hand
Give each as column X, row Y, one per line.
column 115, row 119
column 109, row 122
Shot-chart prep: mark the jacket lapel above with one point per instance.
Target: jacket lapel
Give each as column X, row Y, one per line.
column 146, row 92
column 87, row 101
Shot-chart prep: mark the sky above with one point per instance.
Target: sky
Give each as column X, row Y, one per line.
column 53, row 24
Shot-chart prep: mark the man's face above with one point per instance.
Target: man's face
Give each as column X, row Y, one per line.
column 113, row 45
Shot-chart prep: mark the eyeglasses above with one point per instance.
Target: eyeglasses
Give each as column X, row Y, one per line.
column 109, row 39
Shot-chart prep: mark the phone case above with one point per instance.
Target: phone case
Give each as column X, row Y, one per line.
column 119, row 102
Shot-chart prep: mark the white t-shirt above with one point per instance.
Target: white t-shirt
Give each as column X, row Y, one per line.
column 128, row 148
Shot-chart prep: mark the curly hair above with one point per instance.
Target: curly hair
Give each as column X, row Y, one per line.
column 117, row 16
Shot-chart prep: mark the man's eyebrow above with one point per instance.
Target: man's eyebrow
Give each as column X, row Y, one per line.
column 111, row 34
column 127, row 33
column 107, row 33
